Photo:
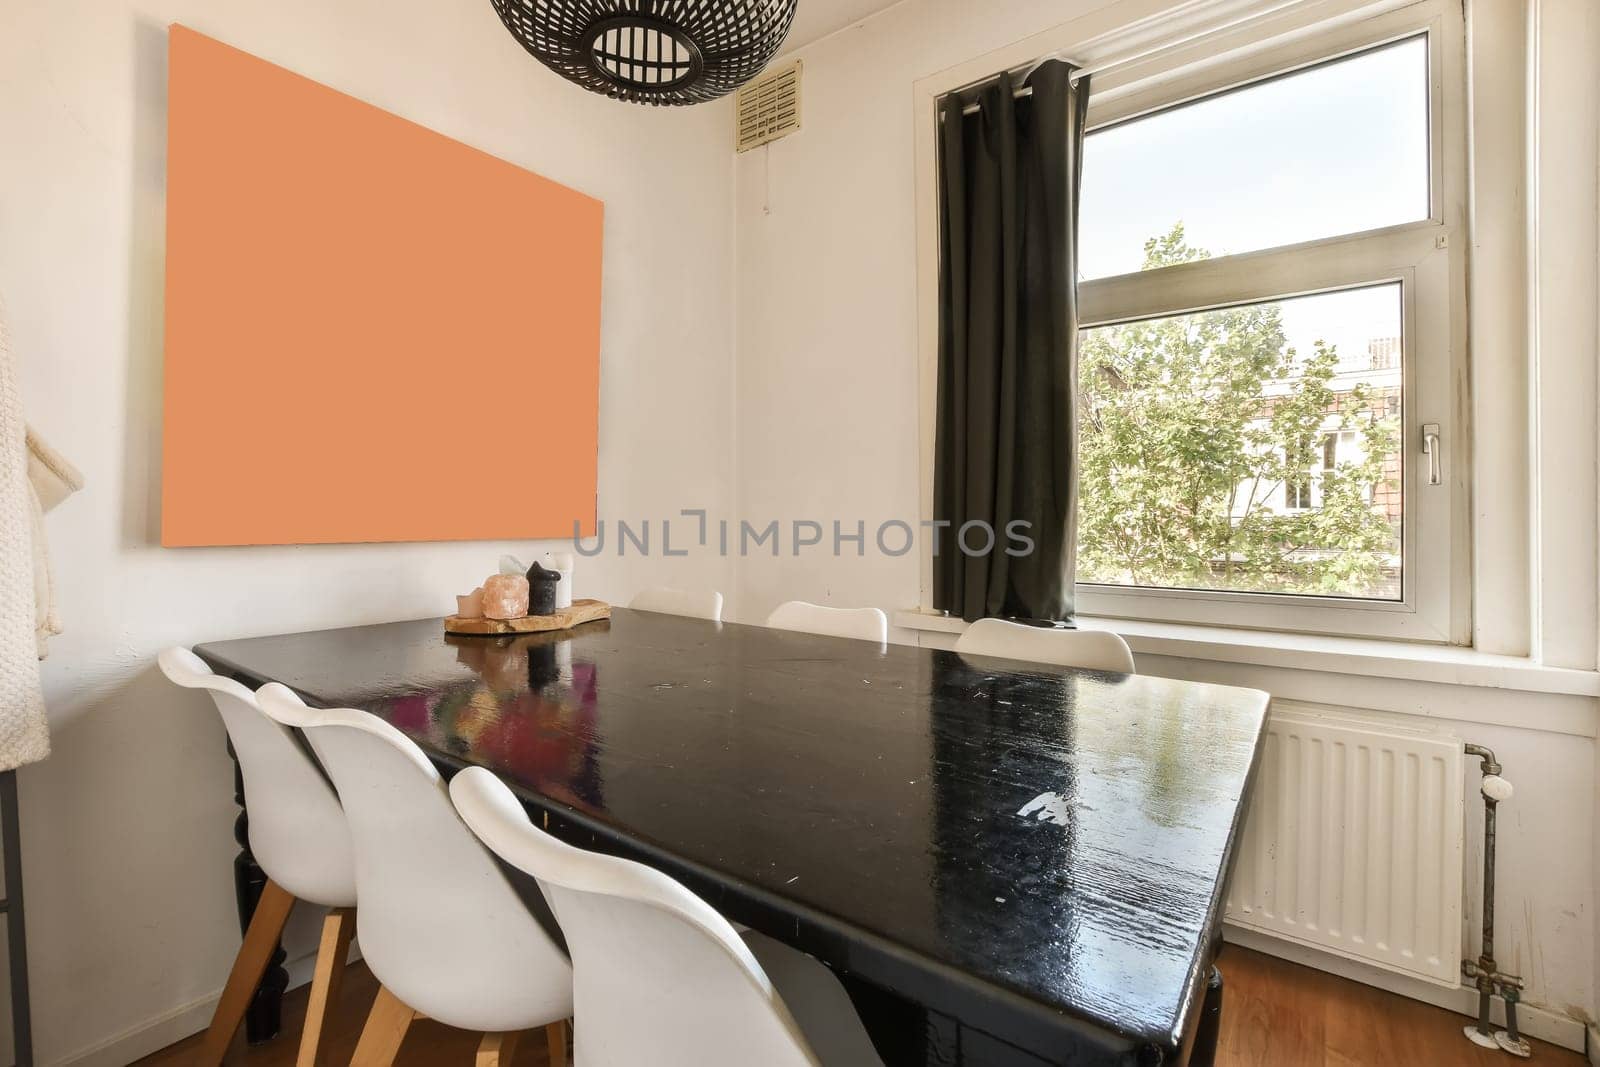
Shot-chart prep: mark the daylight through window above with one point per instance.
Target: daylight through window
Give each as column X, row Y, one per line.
column 1243, row 366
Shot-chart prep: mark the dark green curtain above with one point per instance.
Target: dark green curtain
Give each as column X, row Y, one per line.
column 1006, row 444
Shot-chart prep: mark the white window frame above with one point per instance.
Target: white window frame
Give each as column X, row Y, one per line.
column 1427, row 257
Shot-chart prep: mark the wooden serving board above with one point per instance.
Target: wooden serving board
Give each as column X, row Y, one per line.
column 580, row 612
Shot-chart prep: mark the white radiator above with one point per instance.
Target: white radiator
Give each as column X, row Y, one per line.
column 1353, row 844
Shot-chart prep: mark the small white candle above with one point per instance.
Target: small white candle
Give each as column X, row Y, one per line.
column 561, row 562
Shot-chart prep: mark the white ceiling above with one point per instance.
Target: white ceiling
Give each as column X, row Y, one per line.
column 818, row 18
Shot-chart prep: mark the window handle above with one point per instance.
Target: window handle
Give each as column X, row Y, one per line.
column 1430, row 448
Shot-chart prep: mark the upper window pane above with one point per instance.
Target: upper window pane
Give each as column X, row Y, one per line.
column 1335, row 149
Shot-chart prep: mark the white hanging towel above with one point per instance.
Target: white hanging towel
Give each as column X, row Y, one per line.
column 24, row 736
column 52, row 479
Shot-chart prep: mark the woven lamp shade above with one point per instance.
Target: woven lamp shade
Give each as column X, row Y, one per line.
column 651, row 51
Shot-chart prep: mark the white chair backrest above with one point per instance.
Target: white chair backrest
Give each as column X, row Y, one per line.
column 694, row 603
column 297, row 828
column 1093, row 650
column 438, row 923
column 863, row 624
column 659, row 977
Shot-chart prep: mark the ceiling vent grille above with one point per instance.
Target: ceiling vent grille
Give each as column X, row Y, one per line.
column 768, row 108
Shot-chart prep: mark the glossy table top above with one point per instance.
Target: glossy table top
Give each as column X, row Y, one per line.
column 1038, row 850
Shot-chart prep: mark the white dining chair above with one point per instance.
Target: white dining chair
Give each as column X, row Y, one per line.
column 441, row 928
column 1094, row 650
column 863, row 624
column 299, row 837
column 659, row 977
column 693, row 603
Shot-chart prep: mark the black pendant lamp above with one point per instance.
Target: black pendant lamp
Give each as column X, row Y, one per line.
column 651, row 51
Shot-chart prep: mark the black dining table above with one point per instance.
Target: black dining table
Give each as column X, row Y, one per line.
column 1005, row 862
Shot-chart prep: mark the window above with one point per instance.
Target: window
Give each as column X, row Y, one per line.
column 1272, row 303
column 1270, row 296
column 1239, row 449
column 1338, row 148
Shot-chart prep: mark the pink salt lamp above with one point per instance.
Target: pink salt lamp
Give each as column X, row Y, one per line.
column 505, row 596
column 471, row 605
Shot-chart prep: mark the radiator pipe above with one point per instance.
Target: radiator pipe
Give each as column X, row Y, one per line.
column 1485, row 974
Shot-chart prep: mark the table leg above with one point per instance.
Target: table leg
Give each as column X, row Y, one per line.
column 263, row 1018
column 1210, row 1029
column 16, row 925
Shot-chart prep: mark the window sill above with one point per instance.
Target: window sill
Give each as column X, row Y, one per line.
column 1309, row 652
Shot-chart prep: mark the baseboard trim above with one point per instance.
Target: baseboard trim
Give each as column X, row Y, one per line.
column 172, row 1027
column 1594, row 1045
column 1534, row 1021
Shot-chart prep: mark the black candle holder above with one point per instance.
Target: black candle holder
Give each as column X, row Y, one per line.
column 542, row 590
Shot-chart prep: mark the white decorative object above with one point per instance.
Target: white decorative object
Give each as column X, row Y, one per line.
column 512, row 565
column 561, row 562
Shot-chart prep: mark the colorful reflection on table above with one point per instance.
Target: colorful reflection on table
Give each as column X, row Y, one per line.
column 529, row 714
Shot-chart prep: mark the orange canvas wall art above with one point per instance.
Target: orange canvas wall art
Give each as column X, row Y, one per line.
column 373, row 332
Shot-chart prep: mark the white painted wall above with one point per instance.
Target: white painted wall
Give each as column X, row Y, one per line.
column 827, row 333
column 827, row 402
column 1564, row 329
column 128, row 826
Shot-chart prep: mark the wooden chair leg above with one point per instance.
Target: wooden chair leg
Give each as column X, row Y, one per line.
column 555, row 1036
column 386, row 1028
column 325, row 983
column 496, row 1050
column 266, row 926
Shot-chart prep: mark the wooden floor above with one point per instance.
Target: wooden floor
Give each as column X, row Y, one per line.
column 1275, row 1014
column 427, row 1044
column 1280, row 1014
